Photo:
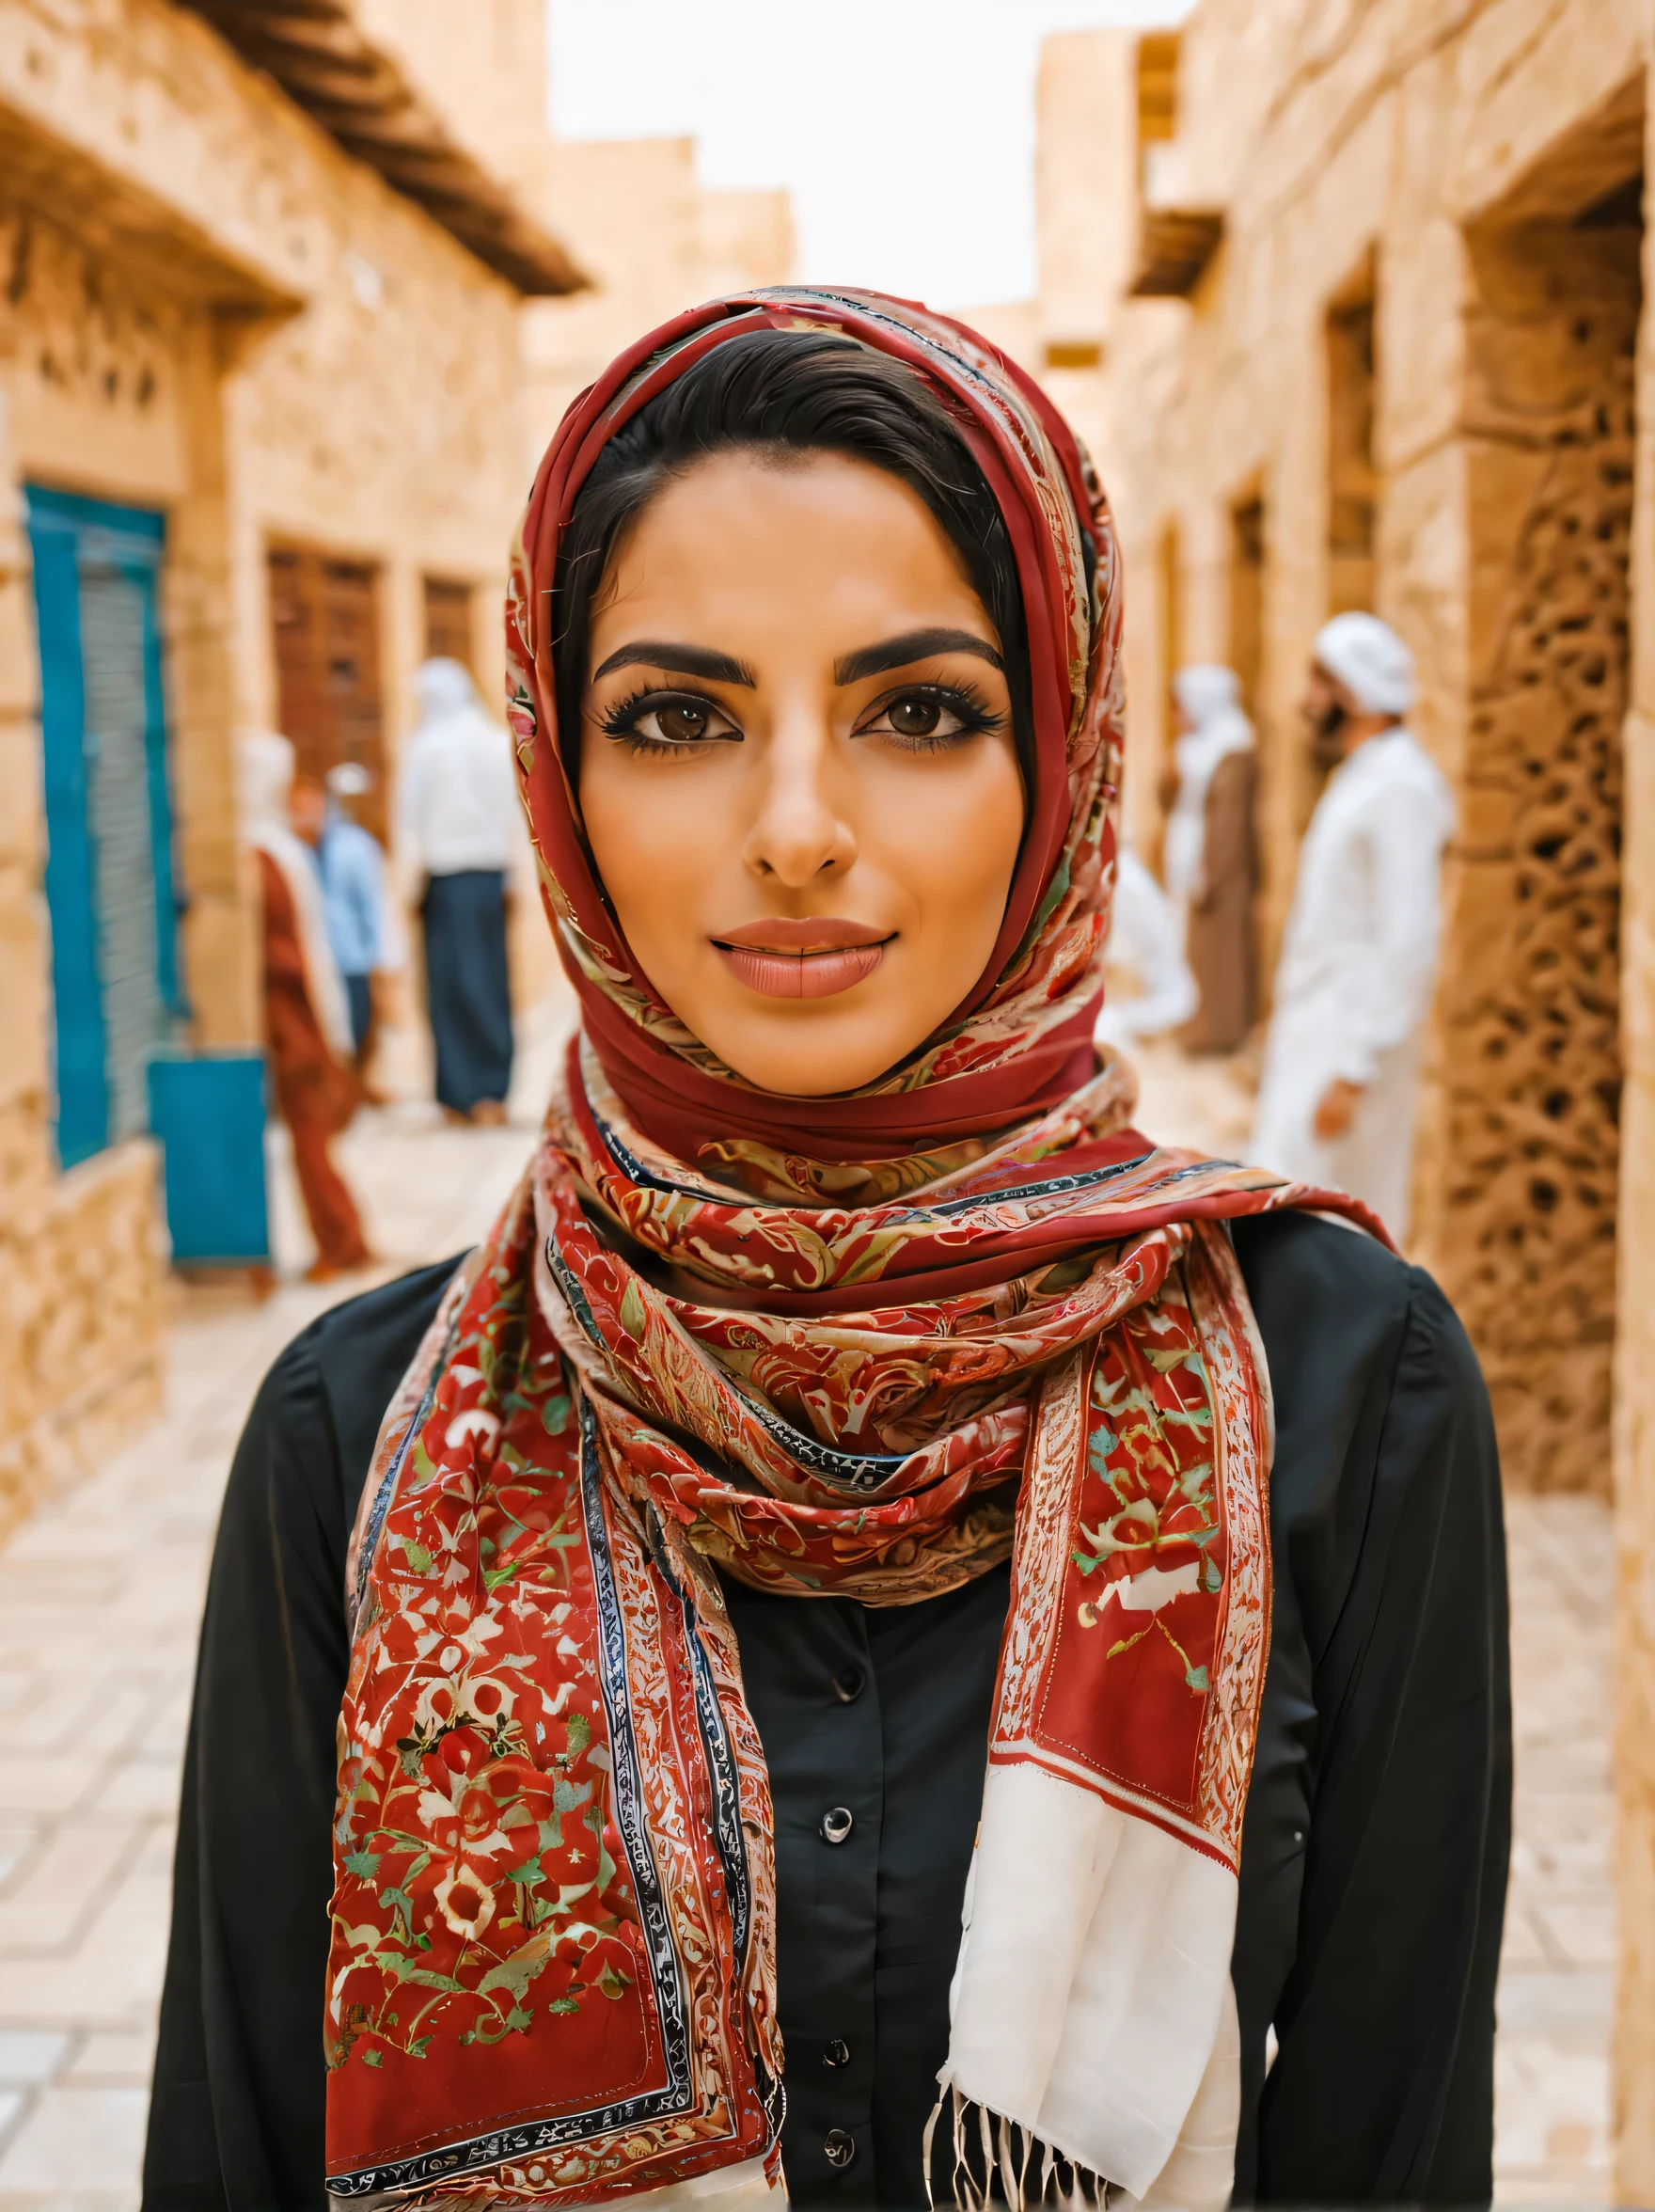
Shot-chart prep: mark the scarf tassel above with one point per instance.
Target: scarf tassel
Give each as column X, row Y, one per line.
column 998, row 2150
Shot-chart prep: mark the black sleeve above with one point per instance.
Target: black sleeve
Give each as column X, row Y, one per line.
column 1391, row 1594
column 237, row 2109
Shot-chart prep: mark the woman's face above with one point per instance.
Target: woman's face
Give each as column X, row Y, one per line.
column 797, row 772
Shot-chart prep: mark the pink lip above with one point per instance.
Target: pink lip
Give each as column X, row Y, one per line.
column 812, row 960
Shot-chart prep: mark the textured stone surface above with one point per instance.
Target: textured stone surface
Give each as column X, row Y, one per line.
column 1529, row 1057
column 82, row 1308
column 1483, row 163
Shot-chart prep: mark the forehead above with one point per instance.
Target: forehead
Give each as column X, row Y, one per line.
column 745, row 545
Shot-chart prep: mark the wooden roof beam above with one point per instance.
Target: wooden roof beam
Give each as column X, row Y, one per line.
column 317, row 53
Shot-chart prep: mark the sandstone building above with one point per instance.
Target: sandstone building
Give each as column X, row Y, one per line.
column 1366, row 289
column 269, row 396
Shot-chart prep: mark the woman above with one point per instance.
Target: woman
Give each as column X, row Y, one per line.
column 848, row 1400
column 1210, row 855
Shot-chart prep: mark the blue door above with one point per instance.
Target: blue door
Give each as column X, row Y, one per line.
column 109, row 873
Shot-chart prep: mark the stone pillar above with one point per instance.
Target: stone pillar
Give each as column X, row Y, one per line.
column 205, row 702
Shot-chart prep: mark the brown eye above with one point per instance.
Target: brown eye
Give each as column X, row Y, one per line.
column 667, row 722
column 682, row 724
column 914, row 716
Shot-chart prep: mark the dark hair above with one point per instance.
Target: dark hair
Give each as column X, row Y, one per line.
column 787, row 393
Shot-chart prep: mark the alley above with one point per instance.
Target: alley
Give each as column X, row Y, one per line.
column 99, row 1601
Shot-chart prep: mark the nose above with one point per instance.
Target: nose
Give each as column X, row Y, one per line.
column 800, row 830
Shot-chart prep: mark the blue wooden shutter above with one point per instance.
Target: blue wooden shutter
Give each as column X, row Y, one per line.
column 109, row 877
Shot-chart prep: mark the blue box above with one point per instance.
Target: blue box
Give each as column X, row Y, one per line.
column 207, row 1111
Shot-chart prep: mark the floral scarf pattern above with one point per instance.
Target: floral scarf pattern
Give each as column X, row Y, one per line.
column 867, row 1347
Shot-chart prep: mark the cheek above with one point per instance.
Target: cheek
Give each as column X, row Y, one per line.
column 955, row 839
column 643, row 833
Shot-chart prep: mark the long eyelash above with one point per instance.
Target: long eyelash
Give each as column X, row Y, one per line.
column 977, row 717
column 617, row 721
column 620, row 720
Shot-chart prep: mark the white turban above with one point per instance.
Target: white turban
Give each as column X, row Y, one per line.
column 1209, row 697
column 444, row 687
column 1367, row 656
column 1206, row 690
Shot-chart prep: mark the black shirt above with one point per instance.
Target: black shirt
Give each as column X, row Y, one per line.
column 1377, row 1826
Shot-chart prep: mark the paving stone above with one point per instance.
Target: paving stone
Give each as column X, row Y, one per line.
column 42, row 1909
column 115, row 2058
column 30, row 2057
column 16, row 1842
column 75, row 2138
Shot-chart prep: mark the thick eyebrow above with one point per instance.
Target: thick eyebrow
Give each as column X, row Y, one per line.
column 894, row 653
column 681, row 660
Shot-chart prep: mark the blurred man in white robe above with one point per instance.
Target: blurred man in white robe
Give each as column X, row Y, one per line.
column 1358, row 960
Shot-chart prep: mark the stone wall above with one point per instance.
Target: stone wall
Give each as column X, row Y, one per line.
column 206, row 309
column 281, row 347
column 83, row 1315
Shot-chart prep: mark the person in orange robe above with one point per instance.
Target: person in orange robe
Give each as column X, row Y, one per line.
column 307, row 1033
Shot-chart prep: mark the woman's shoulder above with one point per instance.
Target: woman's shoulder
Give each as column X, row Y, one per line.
column 1338, row 1311
column 1375, row 1385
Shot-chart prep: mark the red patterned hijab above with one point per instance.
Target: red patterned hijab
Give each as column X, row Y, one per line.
column 872, row 1346
column 1022, row 1041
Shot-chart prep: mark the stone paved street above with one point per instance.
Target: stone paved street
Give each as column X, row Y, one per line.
column 99, row 1598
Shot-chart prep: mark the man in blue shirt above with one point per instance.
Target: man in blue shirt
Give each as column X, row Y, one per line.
column 353, row 879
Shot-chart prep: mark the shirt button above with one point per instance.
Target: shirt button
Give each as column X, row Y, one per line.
column 848, row 1686
column 836, row 1824
column 837, row 2053
column 841, row 2148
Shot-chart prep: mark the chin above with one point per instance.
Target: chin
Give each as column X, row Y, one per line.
column 798, row 1064
column 791, row 1075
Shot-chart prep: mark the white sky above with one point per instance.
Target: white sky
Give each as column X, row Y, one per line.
column 903, row 128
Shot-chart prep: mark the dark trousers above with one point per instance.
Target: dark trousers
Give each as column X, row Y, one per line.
column 359, row 991
column 468, row 991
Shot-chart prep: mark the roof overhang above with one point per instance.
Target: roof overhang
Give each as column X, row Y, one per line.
column 320, row 59
column 1175, row 246
column 183, row 258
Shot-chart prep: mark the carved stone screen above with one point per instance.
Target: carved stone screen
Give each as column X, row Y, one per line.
column 1529, row 1024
